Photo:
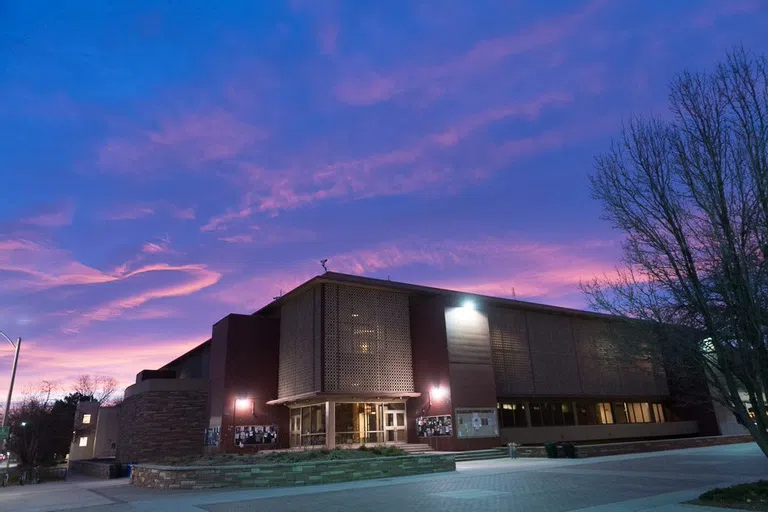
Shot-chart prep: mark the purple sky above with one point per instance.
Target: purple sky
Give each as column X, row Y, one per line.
column 166, row 163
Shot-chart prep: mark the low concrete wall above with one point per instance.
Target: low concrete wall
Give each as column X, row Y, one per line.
column 97, row 468
column 280, row 475
column 536, row 435
column 601, row 450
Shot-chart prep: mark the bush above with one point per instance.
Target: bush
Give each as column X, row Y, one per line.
column 754, row 493
column 551, row 449
column 362, row 448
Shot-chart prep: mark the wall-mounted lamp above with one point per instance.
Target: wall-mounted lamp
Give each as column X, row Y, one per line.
column 468, row 304
column 242, row 403
column 438, row 394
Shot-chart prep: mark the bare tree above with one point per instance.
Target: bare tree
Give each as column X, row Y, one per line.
column 690, row 193
column 100, row 388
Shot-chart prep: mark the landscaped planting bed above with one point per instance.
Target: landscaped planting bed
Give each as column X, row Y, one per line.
column 753, row 496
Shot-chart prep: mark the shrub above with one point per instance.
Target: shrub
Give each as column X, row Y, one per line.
column 362, row 448
column 755, row 492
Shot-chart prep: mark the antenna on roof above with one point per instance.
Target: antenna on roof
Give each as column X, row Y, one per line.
column 514, row 296
column 279, row 295
column 323, row 262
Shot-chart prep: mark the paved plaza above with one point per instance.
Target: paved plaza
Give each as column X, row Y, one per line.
column 654, row 481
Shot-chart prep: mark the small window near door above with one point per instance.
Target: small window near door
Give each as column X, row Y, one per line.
column 84, row 441
column 86, row 419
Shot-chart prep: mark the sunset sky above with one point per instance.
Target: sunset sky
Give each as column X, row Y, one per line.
column 166, row 163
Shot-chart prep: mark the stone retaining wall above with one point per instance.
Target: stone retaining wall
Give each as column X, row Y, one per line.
column 601, row 450
column 280, row 475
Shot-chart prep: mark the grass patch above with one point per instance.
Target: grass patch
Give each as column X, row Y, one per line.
column 286, row 457
column 752, row 496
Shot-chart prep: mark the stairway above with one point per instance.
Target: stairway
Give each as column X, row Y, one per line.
column 415, row 448
column 493, row 453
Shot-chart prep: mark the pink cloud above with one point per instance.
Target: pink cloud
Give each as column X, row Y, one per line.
column 193, row 139
column 52, row 219
column 327, row 37
column 46, row 358
column 237, row 239
column 370, row 88
column 220, row 222
column 131, row 213
column 200, row 277
column 153, row 248
column 183, row 213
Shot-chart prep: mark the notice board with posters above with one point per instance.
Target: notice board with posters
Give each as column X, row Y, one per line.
column 478, row 422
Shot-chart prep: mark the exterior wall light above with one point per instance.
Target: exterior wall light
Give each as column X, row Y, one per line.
column 438, row 394
column 468, row 304
column 242, row 403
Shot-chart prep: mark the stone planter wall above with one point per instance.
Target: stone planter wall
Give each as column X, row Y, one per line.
column 601, row 450
column 280, row 475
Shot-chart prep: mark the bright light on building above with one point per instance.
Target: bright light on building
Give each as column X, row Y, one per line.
column 84, row 441
column 86, row 419
column 438, row 393
column 242, row 403
column 468, row 304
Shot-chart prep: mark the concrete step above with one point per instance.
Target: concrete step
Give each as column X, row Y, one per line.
column 493, row 453
column 415, row 448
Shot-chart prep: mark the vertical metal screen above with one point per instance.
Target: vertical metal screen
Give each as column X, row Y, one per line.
column 367, row 340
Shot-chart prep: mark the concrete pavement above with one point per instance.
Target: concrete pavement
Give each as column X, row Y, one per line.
column 658, row 481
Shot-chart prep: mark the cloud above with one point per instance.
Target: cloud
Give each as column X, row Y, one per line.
column 153, row 248
column 54, row 218
column 220, row 222
column 191, row 138
column 432, row 160
column 237, row 239
column 199, row 278
column 183, row 213
column 131, row 213
column 500, row 266
column 374, row 87
column 46, row 358
column 709, row 15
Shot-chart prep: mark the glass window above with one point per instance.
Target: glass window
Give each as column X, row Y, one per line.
column 585, row 414
column 620, row 414
column 546, row 415
column 568, row 416
column 556, row 414
column 604, row 413
column 519, row 412
column 86, row 419
column 536, row 418
column 658, row 413
column 84, row 441
column 513, row 415
column 306, row 420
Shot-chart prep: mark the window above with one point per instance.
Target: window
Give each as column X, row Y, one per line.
column 604, row 414
column 658, row 413
column 620, row 412
column 84, row 441
column 638, row 412
column 513, row 415
column 536, row 420
column 568, row 416
column 86, row 419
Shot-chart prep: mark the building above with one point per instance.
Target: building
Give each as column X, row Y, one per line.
column 346, row 360
column 95, row 433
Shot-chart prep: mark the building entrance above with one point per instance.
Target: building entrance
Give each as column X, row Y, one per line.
column 394, row 427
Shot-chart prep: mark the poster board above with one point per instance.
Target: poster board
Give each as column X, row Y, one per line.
column 255, row 434
column 434, row 426
column 475, row 423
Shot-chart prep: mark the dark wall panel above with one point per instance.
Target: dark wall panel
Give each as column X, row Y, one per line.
column 298, row 339
column 510, row 352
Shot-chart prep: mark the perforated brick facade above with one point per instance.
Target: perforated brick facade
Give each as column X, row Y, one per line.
column 367, row 340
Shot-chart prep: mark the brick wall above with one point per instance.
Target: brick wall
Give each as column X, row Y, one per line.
column 602, row 450
column 159, row 424
column 281, row 475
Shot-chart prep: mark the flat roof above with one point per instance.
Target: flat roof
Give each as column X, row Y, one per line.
column 340, row 278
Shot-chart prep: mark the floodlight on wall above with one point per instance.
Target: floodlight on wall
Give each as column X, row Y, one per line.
column 438, row 393
column 242, row 403
column 468, row 304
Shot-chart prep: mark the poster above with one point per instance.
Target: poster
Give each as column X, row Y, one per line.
column 431, row 426
column 255, row 434
column 476, row 423
column 212, row 436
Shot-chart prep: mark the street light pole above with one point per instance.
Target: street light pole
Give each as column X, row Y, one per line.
column 17, row 347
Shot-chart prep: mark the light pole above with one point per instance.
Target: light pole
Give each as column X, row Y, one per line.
column 17, row 347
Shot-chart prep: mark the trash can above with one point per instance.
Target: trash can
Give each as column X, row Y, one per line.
column 512, row 450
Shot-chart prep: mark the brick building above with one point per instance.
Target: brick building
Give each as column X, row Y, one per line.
column 348, row 360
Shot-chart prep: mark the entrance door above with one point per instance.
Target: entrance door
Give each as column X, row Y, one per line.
column 394, row 428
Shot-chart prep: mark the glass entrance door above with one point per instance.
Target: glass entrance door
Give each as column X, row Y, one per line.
column 394, row 428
